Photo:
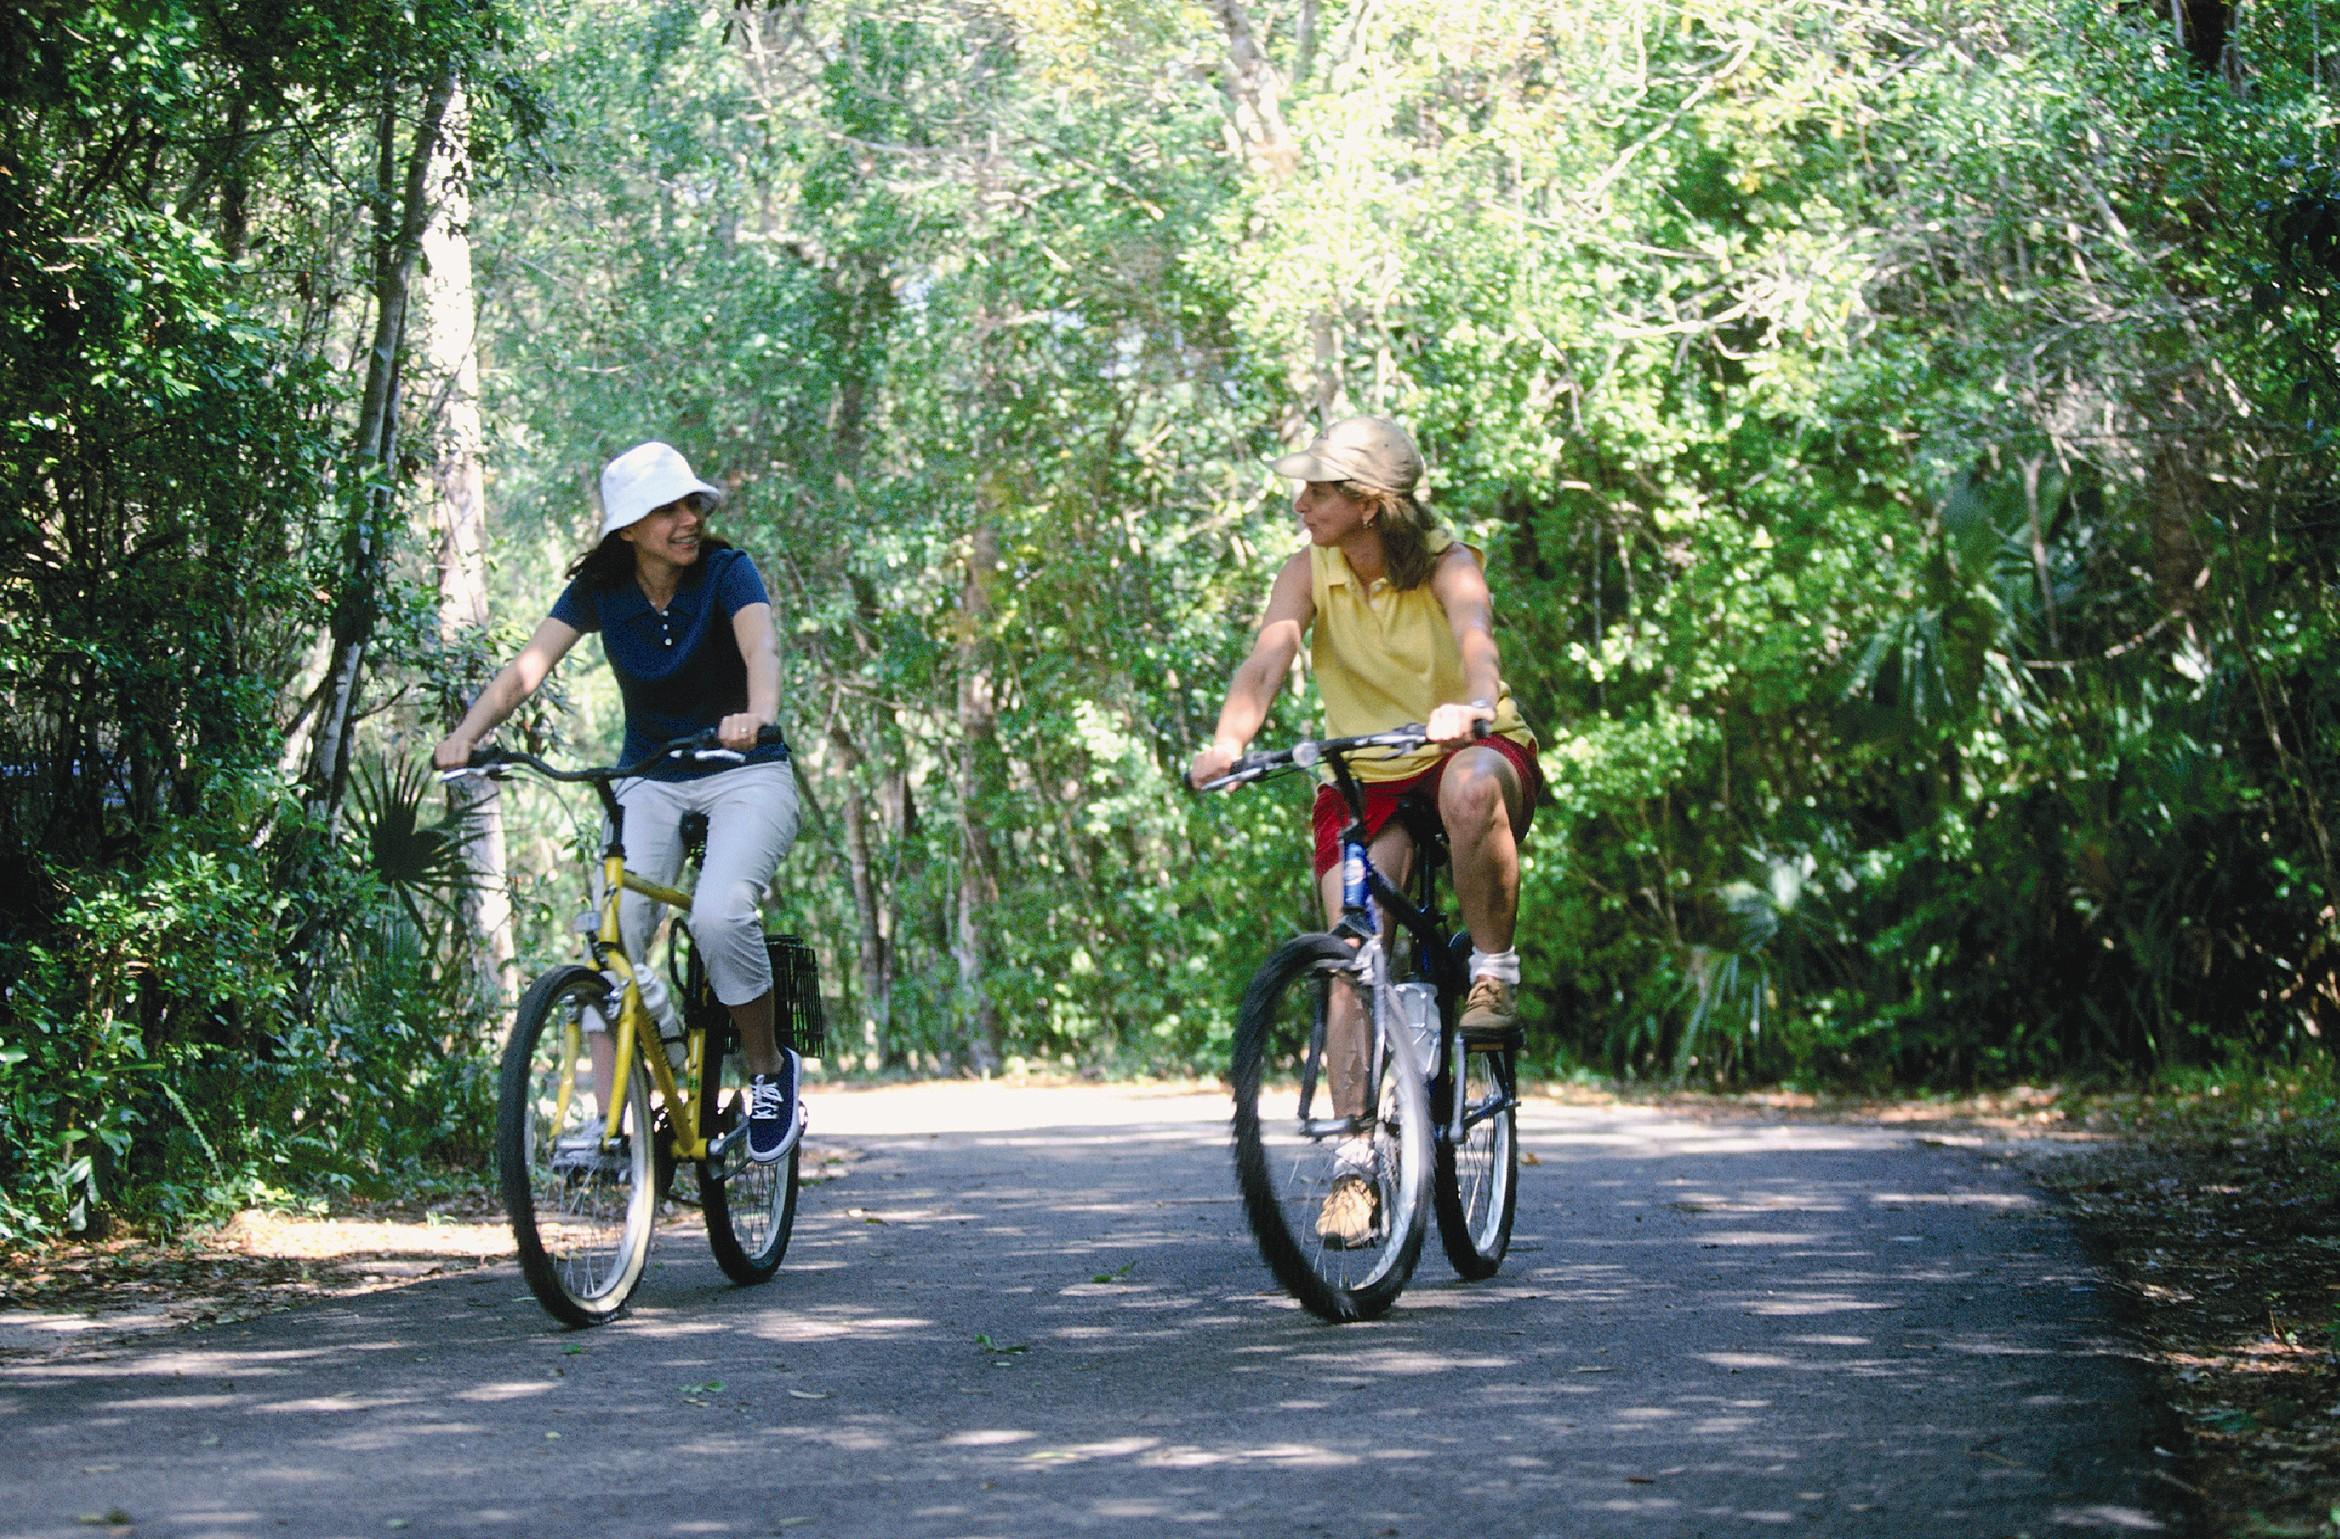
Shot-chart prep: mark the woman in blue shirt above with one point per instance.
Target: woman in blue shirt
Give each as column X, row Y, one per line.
column 687, row 627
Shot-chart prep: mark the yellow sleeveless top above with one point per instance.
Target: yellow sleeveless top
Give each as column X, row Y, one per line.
column 1385, row 657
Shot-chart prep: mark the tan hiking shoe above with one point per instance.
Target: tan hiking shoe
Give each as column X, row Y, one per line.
column 1346, row 1221
column 1490, row 1015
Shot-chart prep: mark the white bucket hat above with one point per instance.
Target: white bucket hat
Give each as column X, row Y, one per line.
column 1372, row 451
column 643, row 479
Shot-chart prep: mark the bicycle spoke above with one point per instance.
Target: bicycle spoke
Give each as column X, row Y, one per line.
column 1478, row 1176
column 581, row 1208
column 750, row 1209
column 1331, row 1144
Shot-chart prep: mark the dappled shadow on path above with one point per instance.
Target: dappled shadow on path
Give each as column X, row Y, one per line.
column 1704, row 1328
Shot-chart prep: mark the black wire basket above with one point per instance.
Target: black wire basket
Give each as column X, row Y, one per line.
column 796, row 995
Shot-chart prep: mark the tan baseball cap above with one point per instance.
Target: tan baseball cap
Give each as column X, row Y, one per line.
column 1371, row 450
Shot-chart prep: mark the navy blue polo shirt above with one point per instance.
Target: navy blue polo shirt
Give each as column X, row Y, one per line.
column 678, row 669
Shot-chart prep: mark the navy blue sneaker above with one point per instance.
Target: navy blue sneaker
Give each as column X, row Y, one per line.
column 775, row 1120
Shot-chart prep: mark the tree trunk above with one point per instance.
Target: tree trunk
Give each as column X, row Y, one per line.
column 978, row 727
column 1254, row 94
column 1255, row 97
column 876, row 961
column 399, row 218
column 448, row 322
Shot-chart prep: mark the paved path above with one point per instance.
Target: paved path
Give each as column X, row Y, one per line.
column 1039, row 1313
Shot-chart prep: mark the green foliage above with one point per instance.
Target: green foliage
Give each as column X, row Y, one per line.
column 1831, row 391
column 176, row 186
column 1901, row 438
column 156, row 1057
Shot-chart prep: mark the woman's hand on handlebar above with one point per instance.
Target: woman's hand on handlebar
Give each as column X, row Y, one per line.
column 738, row 732
column 1215, row 760
column 453, row 753
column 1457, row 723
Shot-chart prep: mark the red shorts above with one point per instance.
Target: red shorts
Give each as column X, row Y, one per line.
column 1331, row 813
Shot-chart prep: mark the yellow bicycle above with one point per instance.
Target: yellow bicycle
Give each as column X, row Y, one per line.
column 596, row 1111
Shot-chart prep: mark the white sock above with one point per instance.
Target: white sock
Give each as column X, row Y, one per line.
column 1503, row 965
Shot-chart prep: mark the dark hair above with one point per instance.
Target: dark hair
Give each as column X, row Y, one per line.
column 612, row 561
column 1405, row 527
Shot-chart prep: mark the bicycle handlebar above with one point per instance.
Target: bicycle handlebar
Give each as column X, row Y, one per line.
column 1307, row 755
column 492, row 763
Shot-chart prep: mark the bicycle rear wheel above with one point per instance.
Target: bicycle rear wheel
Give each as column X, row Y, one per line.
column 581, row 1212
column 1292, row 1148
column 750, row 1208
column 1477, row 1179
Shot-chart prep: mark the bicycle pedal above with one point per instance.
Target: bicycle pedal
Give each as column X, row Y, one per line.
column 584, row 1154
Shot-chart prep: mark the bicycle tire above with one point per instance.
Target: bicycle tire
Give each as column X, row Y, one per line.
column 1287, row 1170
column 582, row 1219
column 1477, row 1183
column 750, row 1208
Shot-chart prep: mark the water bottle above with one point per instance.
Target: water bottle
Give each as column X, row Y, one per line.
column 1417, row 1007
column 657, row 1001
column 660, row 1004
column 1356, row 893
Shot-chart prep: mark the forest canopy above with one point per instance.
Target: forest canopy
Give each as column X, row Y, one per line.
column 1899, row 432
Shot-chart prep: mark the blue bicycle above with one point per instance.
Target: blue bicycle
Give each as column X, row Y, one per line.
column 1358, row 1106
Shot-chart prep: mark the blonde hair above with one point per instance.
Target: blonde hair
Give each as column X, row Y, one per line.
column 1405, row 527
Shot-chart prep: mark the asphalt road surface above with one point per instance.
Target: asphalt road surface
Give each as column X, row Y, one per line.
column 1034, row 1312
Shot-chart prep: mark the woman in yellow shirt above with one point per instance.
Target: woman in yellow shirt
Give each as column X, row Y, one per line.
column 1400, row 628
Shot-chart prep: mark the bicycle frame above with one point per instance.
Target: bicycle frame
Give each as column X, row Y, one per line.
column 632, row 1026
column 1365, row 895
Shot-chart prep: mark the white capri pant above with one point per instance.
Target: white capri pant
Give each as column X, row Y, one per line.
column 752, row 818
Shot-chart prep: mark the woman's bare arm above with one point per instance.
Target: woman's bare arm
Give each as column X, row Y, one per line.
column 1461, row 590
column 1252, row 692
column 515, row 683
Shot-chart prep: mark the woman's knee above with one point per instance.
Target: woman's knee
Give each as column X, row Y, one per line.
column 1472, row 794
column 722, row 909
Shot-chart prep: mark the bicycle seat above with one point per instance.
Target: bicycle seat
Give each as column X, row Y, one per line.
column 692, row 830
column 1418, row 816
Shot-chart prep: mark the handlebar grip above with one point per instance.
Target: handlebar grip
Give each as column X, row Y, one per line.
column 767, row 736
column 1246, row 767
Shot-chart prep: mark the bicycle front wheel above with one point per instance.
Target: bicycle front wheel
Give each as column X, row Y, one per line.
column 1332, row 1133
column 1478, row 1175
column 750, row 1208
column 581, row 1209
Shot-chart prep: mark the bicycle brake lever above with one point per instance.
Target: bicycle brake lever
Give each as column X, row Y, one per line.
column 1244, row 770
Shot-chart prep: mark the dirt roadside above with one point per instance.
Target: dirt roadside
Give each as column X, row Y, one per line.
column 2224, row 1240
column 2218, row 1227
column 2216, row 1218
